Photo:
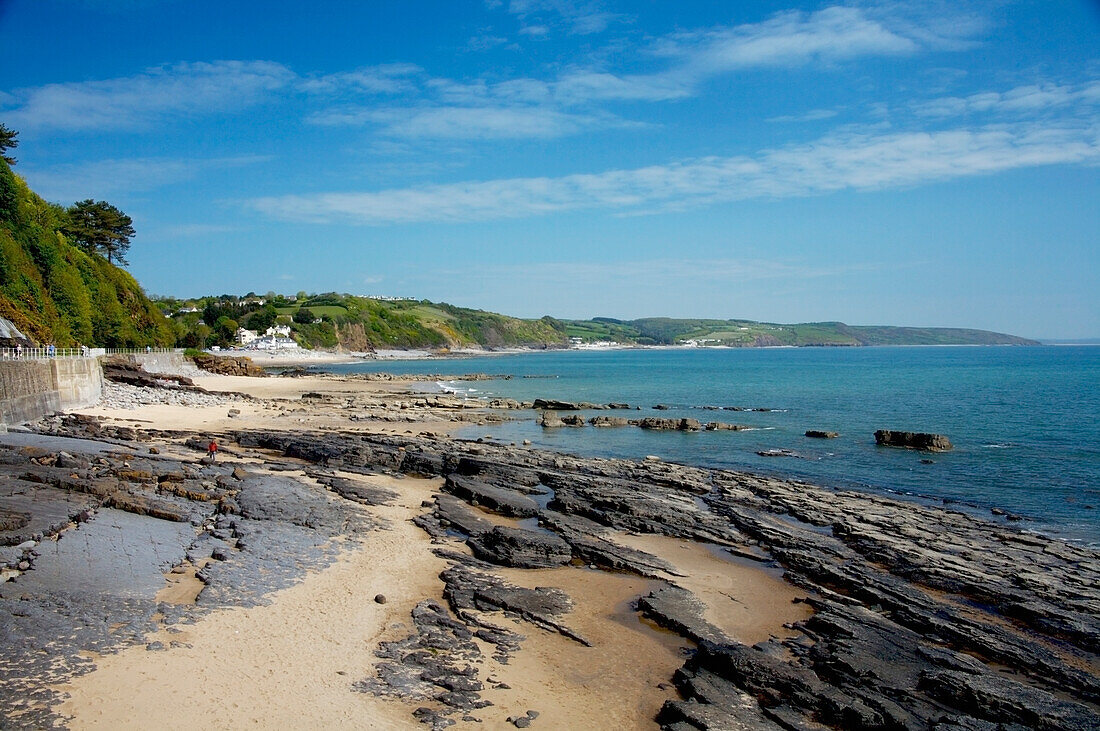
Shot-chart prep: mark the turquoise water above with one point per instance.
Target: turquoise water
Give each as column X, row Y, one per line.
column 1025, row 421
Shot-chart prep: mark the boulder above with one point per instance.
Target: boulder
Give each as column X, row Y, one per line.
column 573, row 420
column 723, row 426
column 818, row 434
column 913, row 440
column 551, row 420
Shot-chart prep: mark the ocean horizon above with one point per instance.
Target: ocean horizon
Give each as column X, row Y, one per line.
column 1024, row 421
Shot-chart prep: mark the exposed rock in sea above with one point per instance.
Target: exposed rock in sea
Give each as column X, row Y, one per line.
column 913, row 440
column 554, row 405
column 819, row 434
column 653, row 422
column 551, row 420
column 609, row 421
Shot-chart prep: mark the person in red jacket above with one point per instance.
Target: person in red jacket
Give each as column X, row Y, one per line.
column 212, row 450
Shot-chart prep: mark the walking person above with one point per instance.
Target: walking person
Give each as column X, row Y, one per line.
column 19, row 350
column 212, row 450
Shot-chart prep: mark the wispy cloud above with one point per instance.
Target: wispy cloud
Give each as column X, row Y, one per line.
column 788, row 39
column 690, row 272
column 582, row 17
column 187, row 231
column 393, row 78
column 814, row 115
column 102, row 178
column 1030, row 98
column 466, row 123
column 576, row 99
column 852, row 161
column 135, row 102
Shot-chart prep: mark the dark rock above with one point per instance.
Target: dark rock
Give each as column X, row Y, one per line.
column 551, row 420
column 520, row 548
column 379, row 598
column 553, row 405
column 573, row 420
column 778, row 453
column 913, row 440
column 498, row 499
column 818, row 434
column 609, row 421
column 652, row 422
column 722, row 426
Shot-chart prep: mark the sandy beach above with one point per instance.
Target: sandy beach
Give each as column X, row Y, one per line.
column 299, row 654
column 422, row 604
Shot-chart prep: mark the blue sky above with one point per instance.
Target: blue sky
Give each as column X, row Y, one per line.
column 870, row 162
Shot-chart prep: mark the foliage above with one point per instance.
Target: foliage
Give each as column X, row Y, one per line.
column 99, row 228
column 56, row 292
column 304, row 316
column 260, row 320
column 7, row 142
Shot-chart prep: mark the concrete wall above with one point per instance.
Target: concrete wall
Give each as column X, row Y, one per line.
column 163, row 363
column 31, row 389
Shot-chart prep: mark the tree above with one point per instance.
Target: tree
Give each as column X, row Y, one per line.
column 99, row 228
column 304, row 316
column 263, row 318
column 7, row 142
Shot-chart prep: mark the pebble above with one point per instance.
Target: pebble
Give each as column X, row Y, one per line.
column 379, row 598
column 125, row 396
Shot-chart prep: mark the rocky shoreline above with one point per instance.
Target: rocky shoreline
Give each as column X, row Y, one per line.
column 915, row 617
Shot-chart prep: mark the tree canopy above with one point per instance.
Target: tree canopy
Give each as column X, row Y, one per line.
column 99, row 228
column 7, row 142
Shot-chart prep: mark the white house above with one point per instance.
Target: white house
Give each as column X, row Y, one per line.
column 244, row 337
column 278, row 331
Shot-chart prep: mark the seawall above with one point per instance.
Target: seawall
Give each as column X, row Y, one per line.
column 31, row 389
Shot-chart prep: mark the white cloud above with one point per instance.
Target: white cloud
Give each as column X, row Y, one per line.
column 535, row 108
column 582, row 17
column 853, row 161
column 788, row 39
column 1031, row 98
column 814, row 115
column 187, row 231
column 466, row 123
column 102, row 178
column 688, row 272
column 135, row 102
column 393, row 78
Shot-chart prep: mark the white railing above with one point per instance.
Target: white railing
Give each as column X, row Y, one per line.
column 48, row 353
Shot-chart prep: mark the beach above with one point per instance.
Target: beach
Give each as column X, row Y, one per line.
column 348, row 562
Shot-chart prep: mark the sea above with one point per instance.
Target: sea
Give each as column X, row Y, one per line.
column 1024, row 421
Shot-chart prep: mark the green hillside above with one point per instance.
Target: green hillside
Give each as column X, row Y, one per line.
column 54, row 291
column 350, row 322
column 747, row 333
column 357, row 323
